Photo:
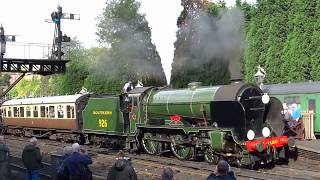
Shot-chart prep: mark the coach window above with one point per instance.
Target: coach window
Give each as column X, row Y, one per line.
column 35, row 111
column 68, row 111
column 60, row 111
column 72, row 111
column 42, row 111
column 21, row 111
column 4, row 111
column 15, row 112
column 28, row 111
column 51, row 111
column 9, row 112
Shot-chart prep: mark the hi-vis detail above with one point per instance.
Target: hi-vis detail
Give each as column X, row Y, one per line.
column 102, row 112
column 103, row 123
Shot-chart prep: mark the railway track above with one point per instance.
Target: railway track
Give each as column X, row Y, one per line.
column 153, row 165
column 308, row 154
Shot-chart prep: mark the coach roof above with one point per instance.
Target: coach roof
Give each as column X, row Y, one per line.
column 292, row 88
column 44, row 100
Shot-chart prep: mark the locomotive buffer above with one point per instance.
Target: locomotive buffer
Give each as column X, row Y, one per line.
column 53, row 65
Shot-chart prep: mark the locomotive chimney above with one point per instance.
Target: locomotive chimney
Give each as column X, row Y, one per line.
column 194, row 85
column 236, row 80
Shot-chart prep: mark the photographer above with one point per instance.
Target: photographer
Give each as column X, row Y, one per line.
column 222, row 172
column 122, row 169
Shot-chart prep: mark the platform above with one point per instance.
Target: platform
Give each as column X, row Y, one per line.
column 310, row 145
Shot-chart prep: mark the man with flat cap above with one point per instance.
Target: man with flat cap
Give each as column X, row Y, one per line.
column 222, row 172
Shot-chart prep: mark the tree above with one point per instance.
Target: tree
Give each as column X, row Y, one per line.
column 282, row 36
column 132, row 54
column 208, row 42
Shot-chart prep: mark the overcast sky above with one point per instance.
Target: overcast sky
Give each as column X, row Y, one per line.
column 26, row 18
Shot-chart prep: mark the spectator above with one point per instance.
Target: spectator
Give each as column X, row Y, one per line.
column 4, row 160
column 62, row 172
column 167, row 174
column 122, row 169
column 77, row 164
column 67, row 151
column 32, row 158
column 222, row 172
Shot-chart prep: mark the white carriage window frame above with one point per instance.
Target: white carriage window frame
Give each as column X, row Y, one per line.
column 51, row 111
column 15, row 111
column 70, row 111
column 28, row 111
column 60, row 111
column 9, row 112
column 42, row 111
column 35, row 111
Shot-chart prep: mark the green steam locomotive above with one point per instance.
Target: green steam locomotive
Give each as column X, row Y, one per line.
column 237, row 122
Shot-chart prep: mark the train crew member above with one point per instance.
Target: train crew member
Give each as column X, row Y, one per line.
column 77, row 164
column 167, row 174
column 4, row 160
column 222, row 172
column 122, row 169
column 128, row 86
column 32, row 158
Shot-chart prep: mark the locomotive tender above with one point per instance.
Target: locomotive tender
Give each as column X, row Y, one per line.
column 236, row 122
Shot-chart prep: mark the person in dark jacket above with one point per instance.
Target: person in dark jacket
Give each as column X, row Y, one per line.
column 62, row 172
column 77, row 164
column 222, row 172
column 167, row 174
column 4, row 160
column 32, row 158
column 122, row 169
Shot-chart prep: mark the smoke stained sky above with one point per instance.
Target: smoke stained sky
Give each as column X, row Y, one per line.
column 27, row 19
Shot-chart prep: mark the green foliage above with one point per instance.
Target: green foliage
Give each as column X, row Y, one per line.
column 132, row 54
column 283, row 37
column 5, row 79
column 193, row 60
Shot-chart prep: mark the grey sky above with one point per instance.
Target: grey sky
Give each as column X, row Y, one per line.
column 27, row 19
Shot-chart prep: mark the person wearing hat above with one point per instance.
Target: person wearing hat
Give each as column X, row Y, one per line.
column 222, row 172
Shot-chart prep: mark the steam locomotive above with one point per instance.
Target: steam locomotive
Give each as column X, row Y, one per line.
column 237, row 122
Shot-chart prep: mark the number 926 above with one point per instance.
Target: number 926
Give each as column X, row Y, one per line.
column 103, row 123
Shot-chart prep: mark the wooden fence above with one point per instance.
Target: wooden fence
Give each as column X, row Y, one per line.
column 308, row 123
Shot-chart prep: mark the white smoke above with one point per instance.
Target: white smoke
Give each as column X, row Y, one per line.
column 162, row 18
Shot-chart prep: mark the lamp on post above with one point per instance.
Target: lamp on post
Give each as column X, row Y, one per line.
column 260, row 75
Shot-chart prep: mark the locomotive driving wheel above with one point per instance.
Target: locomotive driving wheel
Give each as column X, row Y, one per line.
column 150, row 146
column 180, row 150
column 210, row 156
